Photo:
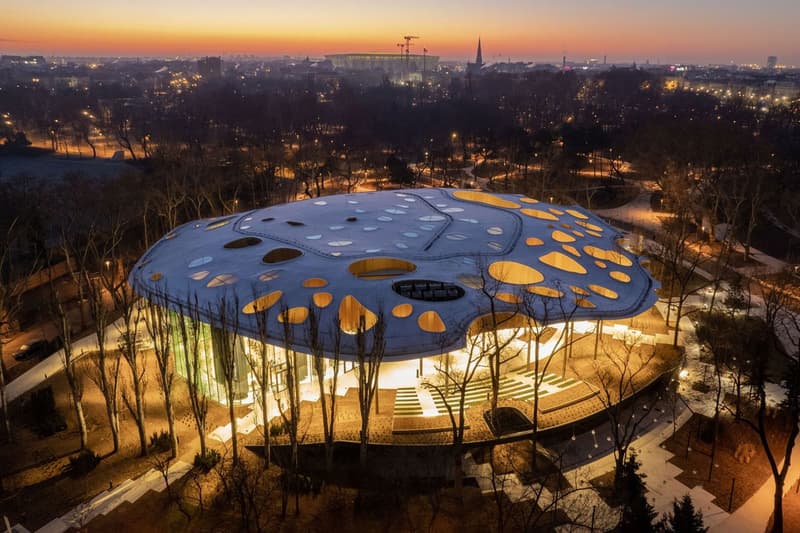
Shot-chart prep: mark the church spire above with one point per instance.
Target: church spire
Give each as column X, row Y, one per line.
column 479, row 56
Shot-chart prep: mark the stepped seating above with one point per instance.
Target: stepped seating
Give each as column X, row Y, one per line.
column 406, row 402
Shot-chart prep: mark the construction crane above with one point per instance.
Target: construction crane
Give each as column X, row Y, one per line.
column 408, row 38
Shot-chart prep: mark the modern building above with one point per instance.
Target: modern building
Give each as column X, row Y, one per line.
column 430, row 265
column 772, row 62
column 394, row 65
column 210, row 67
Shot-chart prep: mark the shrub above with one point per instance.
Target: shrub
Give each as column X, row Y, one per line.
column 160, row 442
column 83, row 463
column 48, row 420
column 208, row 461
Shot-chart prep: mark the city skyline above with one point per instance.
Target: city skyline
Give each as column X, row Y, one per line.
column 683, row 31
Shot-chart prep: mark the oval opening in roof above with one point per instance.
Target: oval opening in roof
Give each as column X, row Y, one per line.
column 279, row 255
column 244, row 242
column 381, row 268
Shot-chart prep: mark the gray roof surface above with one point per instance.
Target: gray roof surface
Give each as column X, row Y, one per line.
column 456, row 239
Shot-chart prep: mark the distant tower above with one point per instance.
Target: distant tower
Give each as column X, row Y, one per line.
column 772, row 61
column 474, row 69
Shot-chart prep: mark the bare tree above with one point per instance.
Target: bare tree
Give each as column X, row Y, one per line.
column 11, row 288
column 191, row 351
column 258, row 359
column 621, row 375
column 328, row 405
column 451, row 387
column 228, row 356
column 159, row 328
column 783, row 326
column 369, row 357
column 290, row 412
column 61, row 319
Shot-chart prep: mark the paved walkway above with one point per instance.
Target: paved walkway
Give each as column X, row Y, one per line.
column 129, row 490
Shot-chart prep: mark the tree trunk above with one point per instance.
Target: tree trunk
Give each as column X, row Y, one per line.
column 173, row 438
column 138, row 394
column 777, row 517
column 234, row 438
column 4, row 400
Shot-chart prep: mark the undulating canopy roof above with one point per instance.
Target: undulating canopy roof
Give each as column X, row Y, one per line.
column 430, row 261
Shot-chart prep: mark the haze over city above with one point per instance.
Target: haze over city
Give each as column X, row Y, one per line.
column 678, row 31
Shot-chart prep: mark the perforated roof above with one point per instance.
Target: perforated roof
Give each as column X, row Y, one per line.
column 418, row 256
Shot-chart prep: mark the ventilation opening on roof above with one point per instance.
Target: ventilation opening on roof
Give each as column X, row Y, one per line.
column 242, row 243
column 428, row 290
column 294, row 223
column 352, row 219
column 381, row 268
column 268, row 219
column 279, row 255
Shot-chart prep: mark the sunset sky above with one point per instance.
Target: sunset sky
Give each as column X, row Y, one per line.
column 698, row 31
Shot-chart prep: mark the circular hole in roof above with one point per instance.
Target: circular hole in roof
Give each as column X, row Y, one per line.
column 432, row 218
column 200, row 261
column 315, row 283
column 485, row 198
column 441, row 205
column 401, row 245
column 452, row 210
column 294, row 315
column 469, row 220
column 320, row 202
column 608, row 255
column 410, row 234
column 268, row 219
column 428, row 290
column 427, row 227
column 431, row 322
column 385, row 219
column 577, row 214
column 353, row 316
column 295, row 223
column 583, row 302
column 381, row 268
column 603, row 291
column 556, row 211
column 402, row 310
column 537, row 213
column 155, row 276
column 352, row 202
column 262, row 303
column 496, row 246
column 560, row 236
column 372, row 250
column 571, row 250
column 245, row 227
column 409, row 199
column 269, row 275
column 244, row 242
column 579, row 290
column 562, row 262
column 528, row 200
column 541, row 290
column 314, row 237
column 578, row 233
column 508, row 297
column 360, row 211
column 588, row 225
column 351, row 219
column 222, row 279
column 593, row 233
column 534, row 241
column 336, row 228
column 338, row 244
column 600, row 264
column 393, row 211
column 169, row 236
column 494, row 230
column 370, row 228
column 514, row 273
column 200, row 274
column 336, row 254
column 279, row 255
column 322, row 299
column 248, row 219
column 457, row 236
column 219, row 223
column 619, row 276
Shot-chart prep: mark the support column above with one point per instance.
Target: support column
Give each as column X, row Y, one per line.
column 597, row 332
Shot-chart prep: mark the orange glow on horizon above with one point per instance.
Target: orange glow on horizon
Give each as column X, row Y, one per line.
column 520, row 32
